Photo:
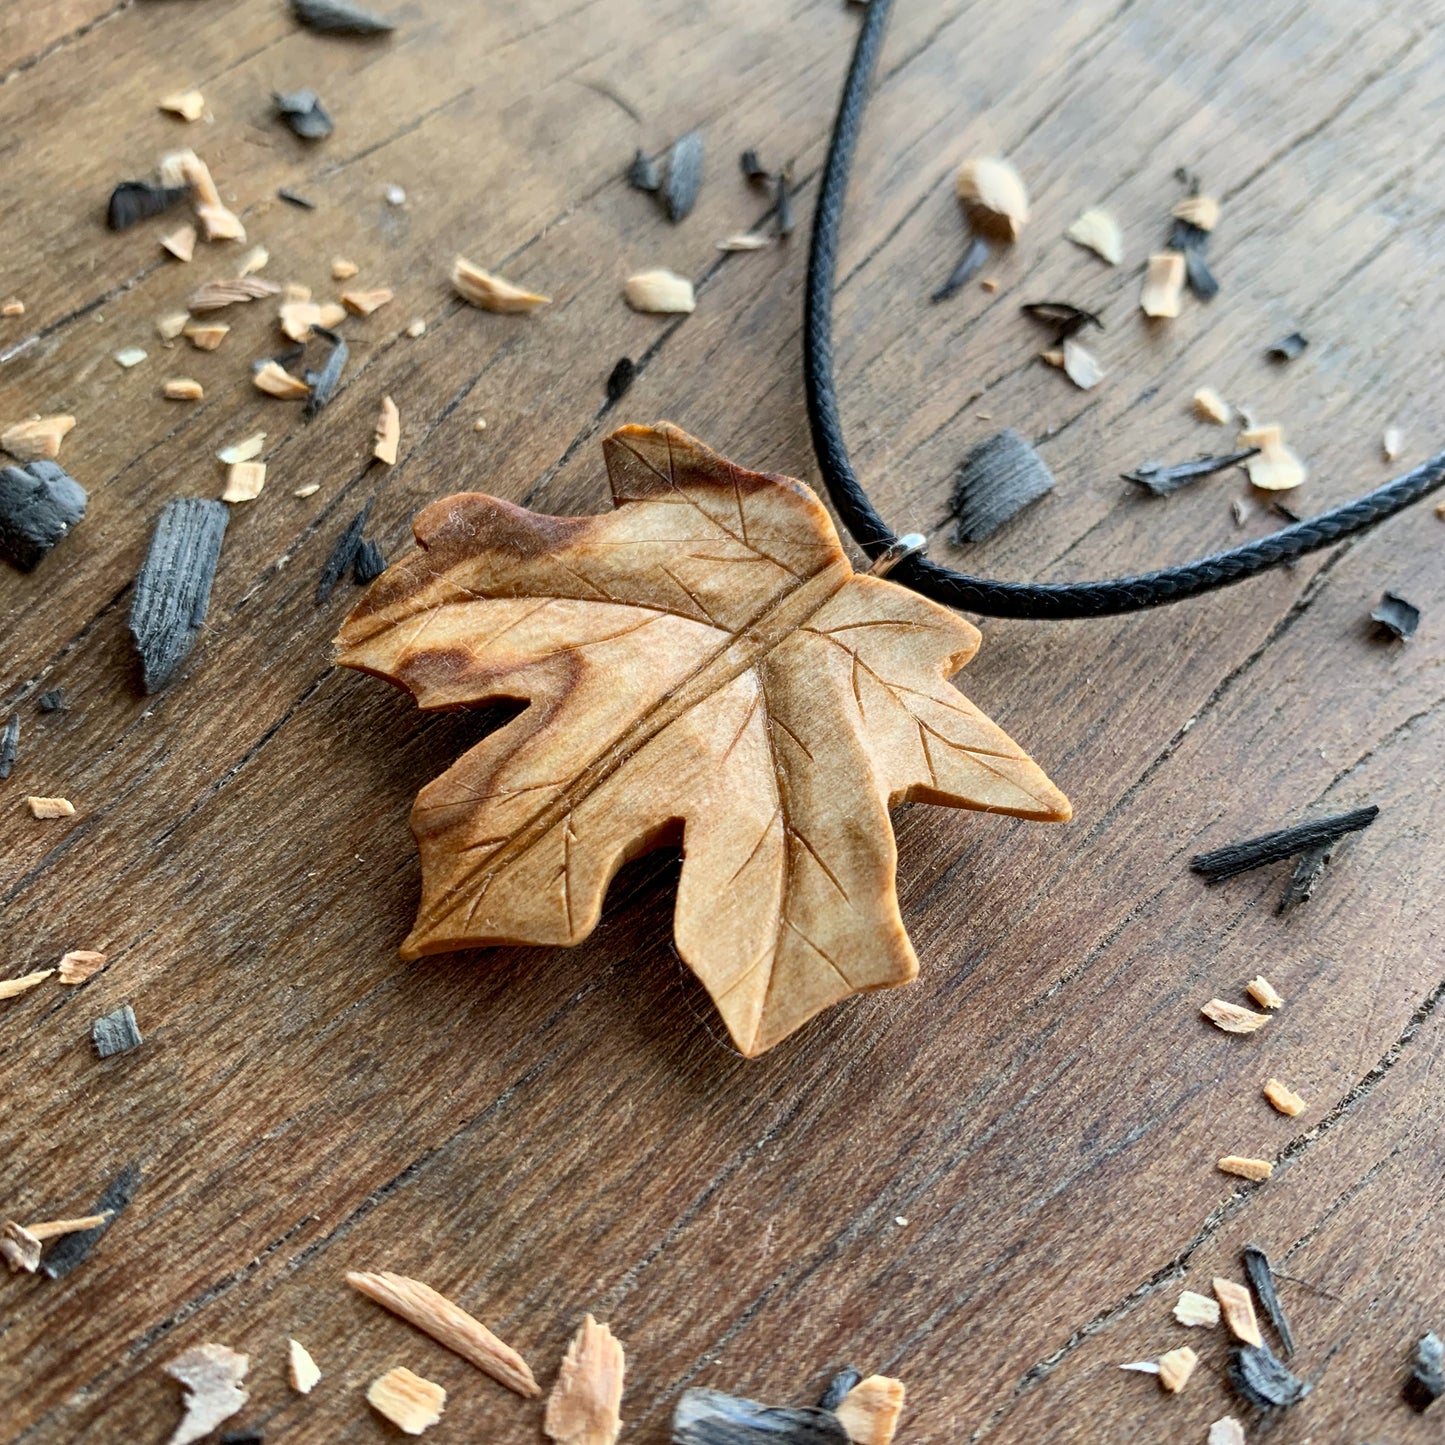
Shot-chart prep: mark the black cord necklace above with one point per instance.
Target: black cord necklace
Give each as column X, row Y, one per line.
column 1052, row 600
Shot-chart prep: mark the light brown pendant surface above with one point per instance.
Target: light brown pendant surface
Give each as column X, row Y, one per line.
column 702, row 665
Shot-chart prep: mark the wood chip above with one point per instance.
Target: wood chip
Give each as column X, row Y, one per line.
column 343, row 270
column 491, row 292
column 660, row 292
column 684, row 176
column 80, row 964
column 298, row 317
column 39, row 503
column 1274, row 468
column 340, row 17
column 254, row 260
column 1175, row 1368
column 301, row 1369
column 1226, row 1431
column 244, row 481
column 1195, row 1309
column 135, row 201
column 1099, row 232
column 411, row 1403
column 1245, row 1167
column 38, row 438
column 1001, row 476
column 450, row 1325
column 14, row 987
column 1201, row 211
column 173, row 588
column 294, row 291
column 116, row 1032
column 131, row 356
column 56, row 1228
column 9, row 745
column 1233, row 1018
column 1237, row 1305
column 1262, row 991
column 172, row 324
column 869, row 1411
column 19, row 1248
column 363, row 303
column 1393, row 443
column 181, row 243
column 1163, row 284
column 12, row 306
column 51, row 807
column 230, row 291
column 994, row 197
column 710, row 1417
column 1081, row 366
column 1210, row 406
column 188, row 104
column 243, row 451
column 211, row 1375
column 388, row 432
column 744, row 241
column 182, row 388
column 309, row 490
column 1284, row 1099
column 275, row 380
column 585, row 1403
column 220, row 223
column 206, row 335
column 417, row 328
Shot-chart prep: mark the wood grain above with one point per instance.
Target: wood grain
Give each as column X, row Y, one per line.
column 542, row 1133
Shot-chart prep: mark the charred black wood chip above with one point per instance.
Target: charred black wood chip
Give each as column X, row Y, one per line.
column 969, row 265
column 1427, row 1382
column 72, row 1249
column 643, row 174
column 1161, row 478
column 304, row 113
column 243, row 1437
column 838, row 1387
column 369, row 563
column 133, row 201
column 115, row 1032
column 997, row 480
column 684, row 176
column 52, row 701
column 9, row 745
column 1309, row 868
column 620, row 378
column 296, row 200
column 1260, row 1377
column 1261, row 1277
column 343, row 554
column 1288, row 347
column 39, row 503
column 339, row 17
column 1063, row 318
column 173, row 588
column 710, row 1417
column 1396, row 616
column 1193, row 241
column 752, row 167
column 783, row 208
column 1236, row 858
column 323, row 386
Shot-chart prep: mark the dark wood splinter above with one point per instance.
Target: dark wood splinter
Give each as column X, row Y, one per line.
column 1235, row 858
column 996, row 481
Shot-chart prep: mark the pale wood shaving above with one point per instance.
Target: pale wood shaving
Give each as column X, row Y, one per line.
column 309, row 490
column 450, row 1325
column 1238, row 1307
column 417, row 328
column 51, row 807
column 186, row 168
column 254, row 260
column 1099, row 232
column 298, row 317
column 243, row 451
column 1210, row 406
column 1081, row 366
column 219, row 223
column 1263, row 992
column 14, row 987
column 869, row 1411
column 585, row 1403
column 491, row 292
column 1275, row 468
column 275, row 380
column 1195, row 1309
column 1233, row 1018
column 12, row 306
column 660, row 292
column 182, row 388
column 343, row 270
column 211, row 1375
column 1054, row 356
column 363, row 303
column 131, row 356
column 41, row 436
column 388, row 432
column 1163, row 284
column 411, row 1403
column 1201, row 211
column 1175, row 1368
column 54, row 1228
column 989, row 283
column 994, row 196
column 229, row 291
column 188, row 104
column 1245, row 1167
column 295, row 291
column 244, row 481
column 333, row 313
column 301, row 1369
column 19, row 1248
column 172, row 324
column 206, row 335
column 1284, row 1099
column 1226, row 1431
column 181, row 243
column 744, row 241
column 1393, row 443
column 80, row 964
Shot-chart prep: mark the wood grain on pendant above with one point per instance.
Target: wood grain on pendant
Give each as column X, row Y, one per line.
column 701, row 665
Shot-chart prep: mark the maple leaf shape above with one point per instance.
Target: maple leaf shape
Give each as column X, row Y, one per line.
column 701, row 663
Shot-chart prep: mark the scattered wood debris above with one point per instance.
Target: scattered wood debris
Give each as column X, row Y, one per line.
column 182, row 388
column 12, row 306
column 130, row 356
column 1163, row 285
column 211, row 1376
column 135, row 201
column 388, row 433
column 206, row 335
column 19, row 1248
column 1142, row 1367
column 1263, row 992
column 9, row 744
column 1238, row 1308
column 585, row 1405
column 1246, row 1167
column 1162, row 478
column 301, row 1369
column 1236, row 858
column 1063, row 318
column 1210, row 406
column 1175, row 1368
column 1233, row 1018
column 869, row 1411
column 244, row 481
column 38, row 439
column 363, row 303
column 1261, row 1277
column 325, row 382
column 181, row 243
column 309, row 490
column 1194, row 218
column 1287, row 347
column 52, row 701
column 75, row 1248
column 972, row 261
column 304, row 114
column 783, row 218
column 1196, row 210
column 369, row 564
column 1194, row 1309
column 620, row 378
column 273, row 378
column 58, row 1228
column 993, row 197
column 80, row 964
column 339, row 17
column 14, row 987
column 298, row 318
column 448, row 1324
column 1284, row 1099
column 659, row 292
column 744, row 241
column 1392, row 443
column 218, row 221
column 170, row 326
column 1001, row 476
column 173, row 587
column 709, row 1417
column 243, row 451
column 411, row 1403
column 417, row 328
column 1097, row 231
column 1226, row 1431
column 230, row 291
column 1395, row 616
column 1262, row 1379
column 343, row 270
column 51, row 807
column 491, row 292
column 644, row 173
column 1427, row 1381
column 837, row 1388
column 1274, row 467
column 684, row 176
column 1080, row 365
column 752, row 167
column 188, row 104
column 256, row 259
column 343, row 554
column 115, row 1032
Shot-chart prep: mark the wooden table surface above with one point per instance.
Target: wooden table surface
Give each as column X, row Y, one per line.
column 993, row 1183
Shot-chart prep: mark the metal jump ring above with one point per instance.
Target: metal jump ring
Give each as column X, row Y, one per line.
column 901, row 547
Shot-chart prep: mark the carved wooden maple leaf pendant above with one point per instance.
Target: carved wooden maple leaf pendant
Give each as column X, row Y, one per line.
column 701, row 663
